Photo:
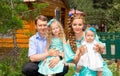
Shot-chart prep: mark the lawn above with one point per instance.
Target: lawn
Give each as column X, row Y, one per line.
column 11, row 67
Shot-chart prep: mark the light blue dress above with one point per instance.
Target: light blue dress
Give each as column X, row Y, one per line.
column 44, row 66
column 85, row 71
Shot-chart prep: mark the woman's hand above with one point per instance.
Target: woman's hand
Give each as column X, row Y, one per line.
column 53, row 52
column 99, row 48
column 54, row 62
column 82, row 49
column 76, row 58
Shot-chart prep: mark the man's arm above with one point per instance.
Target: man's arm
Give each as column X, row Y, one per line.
column 32, row 51
column 38, row 57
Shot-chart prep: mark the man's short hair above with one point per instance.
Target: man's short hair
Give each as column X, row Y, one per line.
column 40, row 17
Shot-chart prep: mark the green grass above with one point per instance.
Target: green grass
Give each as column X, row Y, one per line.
column 70, row 71
column 10, row 68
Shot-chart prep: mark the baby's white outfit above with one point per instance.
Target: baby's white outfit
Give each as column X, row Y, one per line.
column 91, row 58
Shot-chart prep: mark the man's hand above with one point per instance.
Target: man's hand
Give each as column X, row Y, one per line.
column 54, row 62
column 53, row 52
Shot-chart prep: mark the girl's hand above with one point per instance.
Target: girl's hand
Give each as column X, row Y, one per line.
column 54, row 62
column 44, row 61
column 64, row 40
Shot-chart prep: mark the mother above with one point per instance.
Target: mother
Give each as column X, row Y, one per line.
column 75, row 34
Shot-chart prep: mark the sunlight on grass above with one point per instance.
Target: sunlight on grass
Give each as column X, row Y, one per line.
column 70, row 71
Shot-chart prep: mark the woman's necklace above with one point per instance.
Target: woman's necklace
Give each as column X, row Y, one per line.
column 79, row 41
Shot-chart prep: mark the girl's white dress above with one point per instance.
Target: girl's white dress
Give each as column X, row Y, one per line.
column 91, row 58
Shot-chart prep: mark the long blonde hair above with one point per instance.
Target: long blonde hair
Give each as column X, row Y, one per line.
column 61, row 35
column 70, row 33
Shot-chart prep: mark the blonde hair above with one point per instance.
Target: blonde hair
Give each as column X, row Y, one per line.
column 61, row 35
column 70, row 33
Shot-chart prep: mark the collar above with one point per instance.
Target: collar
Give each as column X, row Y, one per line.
column 39, row 37
column 79, row 41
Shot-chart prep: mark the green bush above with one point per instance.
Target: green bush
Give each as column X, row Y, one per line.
column 10, row 68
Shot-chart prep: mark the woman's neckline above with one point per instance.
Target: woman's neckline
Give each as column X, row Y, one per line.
column 79, row 36
column 80, row 40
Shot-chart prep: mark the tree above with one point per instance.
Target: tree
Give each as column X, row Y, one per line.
column 104, row 4
column 99, row 12
column 93, row 16
column 112, row 17
column 12, row 13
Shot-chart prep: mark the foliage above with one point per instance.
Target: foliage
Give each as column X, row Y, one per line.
column 93, row 16
column 10, row 68
column 111, row 66
column 13, row 11
column 35, row 11
column 112, row 17
column 104, row 4
column 12, row 14
column 9, row 19
column 70, row 71
column 100, row 12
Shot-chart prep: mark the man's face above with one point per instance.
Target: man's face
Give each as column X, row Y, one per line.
column 41, row 27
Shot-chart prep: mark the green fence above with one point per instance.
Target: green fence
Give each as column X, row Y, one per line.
column 112, row 41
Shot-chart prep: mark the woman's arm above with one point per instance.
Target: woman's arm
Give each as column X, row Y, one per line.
column 80, row 51
column 76, row 57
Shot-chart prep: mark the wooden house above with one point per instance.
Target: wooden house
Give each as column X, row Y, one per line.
column 56, row 9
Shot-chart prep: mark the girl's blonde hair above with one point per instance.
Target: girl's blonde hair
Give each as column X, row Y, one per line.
column 70, row 33
column 50, row 35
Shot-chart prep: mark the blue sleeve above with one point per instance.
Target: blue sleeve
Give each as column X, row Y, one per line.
column 32, row 47
column 69, row 54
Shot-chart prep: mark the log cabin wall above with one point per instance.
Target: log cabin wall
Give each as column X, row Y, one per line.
column 23, row 35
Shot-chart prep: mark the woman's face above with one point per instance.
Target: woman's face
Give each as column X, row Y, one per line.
column 77, row 26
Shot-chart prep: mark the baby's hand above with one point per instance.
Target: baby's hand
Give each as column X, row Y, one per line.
column 99, row 48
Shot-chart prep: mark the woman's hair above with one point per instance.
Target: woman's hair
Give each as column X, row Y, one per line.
column 40, row 17
column 70, row 33
column 50, row 35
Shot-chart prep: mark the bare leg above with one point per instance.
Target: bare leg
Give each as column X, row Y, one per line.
column 50, row 75
column 77, row 71
column 99, row 73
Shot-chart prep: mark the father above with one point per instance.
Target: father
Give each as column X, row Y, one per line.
column 37, row 46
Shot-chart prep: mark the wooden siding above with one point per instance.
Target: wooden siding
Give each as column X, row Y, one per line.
column 23, row 35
